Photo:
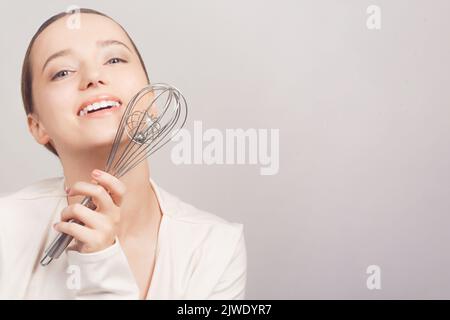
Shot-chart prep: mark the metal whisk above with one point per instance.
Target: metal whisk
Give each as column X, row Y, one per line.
column 147, row 130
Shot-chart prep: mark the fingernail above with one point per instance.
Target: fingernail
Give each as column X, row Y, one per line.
column 96, row 173
column 67, row 190
column 54, row 225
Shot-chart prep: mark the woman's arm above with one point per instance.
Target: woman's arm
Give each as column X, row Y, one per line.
column 103, row 275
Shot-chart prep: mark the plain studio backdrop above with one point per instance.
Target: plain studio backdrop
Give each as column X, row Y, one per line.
column 364, row 126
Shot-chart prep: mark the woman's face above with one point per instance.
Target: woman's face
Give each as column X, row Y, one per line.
column 73, row 68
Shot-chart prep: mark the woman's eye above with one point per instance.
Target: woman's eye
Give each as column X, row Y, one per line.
column 115, row 60
column 60, row 74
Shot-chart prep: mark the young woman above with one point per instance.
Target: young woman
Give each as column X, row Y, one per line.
column 141, row 242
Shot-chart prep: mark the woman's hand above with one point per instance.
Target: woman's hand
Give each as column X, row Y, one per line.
column 100, row 226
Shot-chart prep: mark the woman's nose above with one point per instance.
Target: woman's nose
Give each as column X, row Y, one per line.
column 92, row 78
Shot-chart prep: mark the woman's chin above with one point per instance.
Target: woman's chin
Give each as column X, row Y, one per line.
column 101, row 141
column 104, row 140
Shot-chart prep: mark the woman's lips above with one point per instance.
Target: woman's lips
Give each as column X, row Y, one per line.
column 101, row 113
column 96, row 100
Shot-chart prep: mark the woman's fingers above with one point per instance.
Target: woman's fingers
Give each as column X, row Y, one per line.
column 97, row 233
column 115, row 187
column 100, row 226
column 88, row 217
column 77, row 231
column 98, row 194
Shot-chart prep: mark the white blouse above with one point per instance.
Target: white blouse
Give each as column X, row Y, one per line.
column 199, row 255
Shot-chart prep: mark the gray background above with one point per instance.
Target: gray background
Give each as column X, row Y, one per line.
column 364, row 132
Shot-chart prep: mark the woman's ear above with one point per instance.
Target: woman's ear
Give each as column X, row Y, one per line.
column 37, row 129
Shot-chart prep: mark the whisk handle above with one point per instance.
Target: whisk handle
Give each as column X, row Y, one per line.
column 62, row 240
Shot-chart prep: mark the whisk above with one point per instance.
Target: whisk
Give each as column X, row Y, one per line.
column 147, row 130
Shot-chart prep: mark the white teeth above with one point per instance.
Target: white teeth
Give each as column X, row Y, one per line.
column 98, row 105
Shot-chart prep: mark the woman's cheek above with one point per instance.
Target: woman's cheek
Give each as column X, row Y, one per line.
column 134, row 77
column 62, row 98
column 57, row 109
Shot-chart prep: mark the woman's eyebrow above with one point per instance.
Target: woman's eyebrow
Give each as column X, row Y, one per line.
column 105, row 43
column 56, row 55
column 101, row 44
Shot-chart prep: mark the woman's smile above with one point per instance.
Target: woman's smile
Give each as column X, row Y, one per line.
column 101, row 113
column 99, row 106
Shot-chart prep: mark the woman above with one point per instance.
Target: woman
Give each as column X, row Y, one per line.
column 140, row 242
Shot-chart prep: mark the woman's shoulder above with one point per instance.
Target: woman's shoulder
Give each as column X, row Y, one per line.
column 189, row 215
column 25, row 216
column 210, row 249
column 30, row 202
column 40, row 189
column 191, row 227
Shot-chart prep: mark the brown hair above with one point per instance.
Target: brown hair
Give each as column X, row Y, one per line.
column 27, row 94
